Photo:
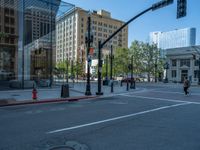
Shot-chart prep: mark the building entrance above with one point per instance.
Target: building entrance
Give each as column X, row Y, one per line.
column 184, row 73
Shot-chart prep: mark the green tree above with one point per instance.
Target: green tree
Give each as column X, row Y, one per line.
column 146, row 59
column 121, row 61
column 150, row 59
column 79, row 69
column 61, row 68
column 137, row 53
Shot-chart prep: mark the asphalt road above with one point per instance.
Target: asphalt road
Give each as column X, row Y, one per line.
column 153, row 119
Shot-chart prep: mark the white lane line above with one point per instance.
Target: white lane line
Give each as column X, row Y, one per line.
column 175, row 92
column 117, row 118
column 119, row 103
column 160, row 99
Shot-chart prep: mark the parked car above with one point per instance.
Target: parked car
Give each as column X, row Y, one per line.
column 127, row 79
column 136, row 79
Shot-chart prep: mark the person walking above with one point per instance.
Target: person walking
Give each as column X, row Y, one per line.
column 186, row 85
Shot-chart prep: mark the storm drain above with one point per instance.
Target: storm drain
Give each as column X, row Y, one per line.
column 62, row 147
column 71, row 145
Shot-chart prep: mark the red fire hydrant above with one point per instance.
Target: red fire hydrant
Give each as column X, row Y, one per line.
column 34, row 94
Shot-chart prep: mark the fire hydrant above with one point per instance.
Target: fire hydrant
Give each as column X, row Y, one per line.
column 34, row 94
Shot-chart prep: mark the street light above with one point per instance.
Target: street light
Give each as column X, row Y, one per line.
column 111, row 68
column 132, row 79
column 88, row 40
column 195, row 48
column 166, row 66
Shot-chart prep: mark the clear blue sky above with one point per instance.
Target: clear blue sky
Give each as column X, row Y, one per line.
column 163, row 19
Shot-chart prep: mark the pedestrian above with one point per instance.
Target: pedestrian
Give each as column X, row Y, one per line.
column 186, row 85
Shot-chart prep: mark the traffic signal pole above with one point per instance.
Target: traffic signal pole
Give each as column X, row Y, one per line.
column 88, row 92
column 155, row 6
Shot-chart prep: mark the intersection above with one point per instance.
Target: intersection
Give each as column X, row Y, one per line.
column 151, row 118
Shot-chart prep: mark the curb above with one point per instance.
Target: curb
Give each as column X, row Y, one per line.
column 57, row 100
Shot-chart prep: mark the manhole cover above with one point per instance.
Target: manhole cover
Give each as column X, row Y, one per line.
column 63, row 147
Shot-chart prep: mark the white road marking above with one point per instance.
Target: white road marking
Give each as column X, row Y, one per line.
column 119, row 103
column 160, row 99
column 182, row 93
column 117, row 118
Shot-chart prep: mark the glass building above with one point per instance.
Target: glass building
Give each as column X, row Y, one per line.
column 173, row 39
column 27, row 40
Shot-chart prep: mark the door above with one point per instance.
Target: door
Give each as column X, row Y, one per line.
column 184, row 73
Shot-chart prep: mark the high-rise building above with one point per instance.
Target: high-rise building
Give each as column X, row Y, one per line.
column 8, row 36
column 173, row 39
column 72, row 28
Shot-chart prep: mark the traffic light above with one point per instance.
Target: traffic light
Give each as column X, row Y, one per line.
column 181, row 8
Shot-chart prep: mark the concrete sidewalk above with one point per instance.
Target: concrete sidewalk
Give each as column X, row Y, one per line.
column 76, row 92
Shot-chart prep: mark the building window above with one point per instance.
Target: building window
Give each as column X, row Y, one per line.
column 185, row 62
column 196, row 62
column 174, row 63
column 173, row 73
column 196, row 73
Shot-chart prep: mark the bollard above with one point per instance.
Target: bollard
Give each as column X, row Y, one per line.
column 121, row 83
column 134, row 84
column 111, row 86
column 34, row 94
column 127, row 86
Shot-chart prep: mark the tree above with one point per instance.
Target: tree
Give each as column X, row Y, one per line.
column 61, row 68
column 137, row 53
column 146, row 59
column 121, row 61
column 150, row 59
column 79, row 69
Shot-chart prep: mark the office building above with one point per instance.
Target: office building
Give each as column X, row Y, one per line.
column 183, row 62
column 8, row 39
column 72, row 28
column 173, row 39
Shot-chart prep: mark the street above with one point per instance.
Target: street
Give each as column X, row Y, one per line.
column 152, row 118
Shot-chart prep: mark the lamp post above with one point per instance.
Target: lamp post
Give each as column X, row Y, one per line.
column 166, row 67
column 67, row 66
column 132, row 79
column 88, row 40
column 111, row 67
column 195, row 48
column 106, row 80
column 99, row 70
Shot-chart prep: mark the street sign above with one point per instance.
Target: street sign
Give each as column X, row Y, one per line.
column 91, row 52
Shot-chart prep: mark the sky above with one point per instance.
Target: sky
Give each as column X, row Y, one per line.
column 163, row 19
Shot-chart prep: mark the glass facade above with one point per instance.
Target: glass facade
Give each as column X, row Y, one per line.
column 173, row 39
column 27, row 39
